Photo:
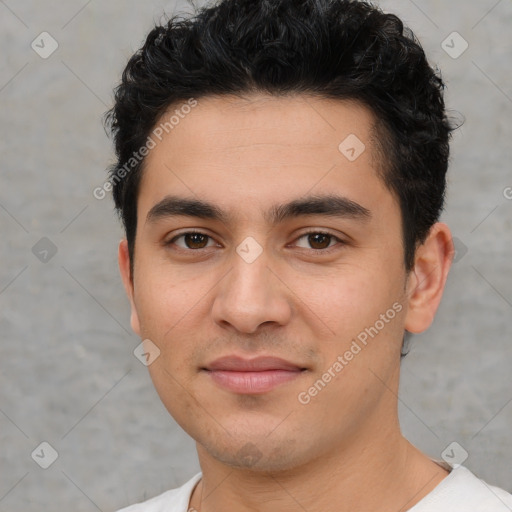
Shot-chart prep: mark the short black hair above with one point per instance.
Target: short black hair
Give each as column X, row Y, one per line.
column 333, row 49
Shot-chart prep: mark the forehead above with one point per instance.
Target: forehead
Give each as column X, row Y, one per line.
column 261, row 146
column 230, row 121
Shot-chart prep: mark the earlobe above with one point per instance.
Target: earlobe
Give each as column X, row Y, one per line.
column 124, row 268
column 428, row 278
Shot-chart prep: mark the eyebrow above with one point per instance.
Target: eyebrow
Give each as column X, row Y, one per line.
column 329, row 205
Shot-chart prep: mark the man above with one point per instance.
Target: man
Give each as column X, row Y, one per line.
column 280, row 175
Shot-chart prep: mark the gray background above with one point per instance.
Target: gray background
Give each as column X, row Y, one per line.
column 68, row 374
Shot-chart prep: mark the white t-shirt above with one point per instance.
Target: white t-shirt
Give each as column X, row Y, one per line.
column 460, row 491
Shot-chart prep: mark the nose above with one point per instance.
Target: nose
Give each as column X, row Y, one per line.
column 250, row 295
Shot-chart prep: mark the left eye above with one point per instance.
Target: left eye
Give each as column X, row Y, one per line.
column 319, row 240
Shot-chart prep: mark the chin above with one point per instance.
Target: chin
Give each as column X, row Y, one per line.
column 264, row 456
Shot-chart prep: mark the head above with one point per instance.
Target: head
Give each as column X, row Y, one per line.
column 306, row 145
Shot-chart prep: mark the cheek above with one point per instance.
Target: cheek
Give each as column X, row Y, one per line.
column 350, row 296
column 163, row 299
column 359, row 312
column 176, row 394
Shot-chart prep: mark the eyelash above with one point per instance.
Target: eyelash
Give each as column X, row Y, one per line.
column 327, row 250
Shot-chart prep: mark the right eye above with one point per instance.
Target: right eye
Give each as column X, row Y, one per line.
column 192, row 241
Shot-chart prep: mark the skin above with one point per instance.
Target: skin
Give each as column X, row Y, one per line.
column 344, row 449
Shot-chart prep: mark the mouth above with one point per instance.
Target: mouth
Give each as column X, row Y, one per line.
column 252, row 376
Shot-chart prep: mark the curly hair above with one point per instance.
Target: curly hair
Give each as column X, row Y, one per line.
column 335, row 49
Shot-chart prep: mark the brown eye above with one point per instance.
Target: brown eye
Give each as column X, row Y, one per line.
column 191, row 240
column 196, row 240
column 318, row 240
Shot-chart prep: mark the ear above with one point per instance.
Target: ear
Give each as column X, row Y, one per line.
column 428, row 277
column 123, row 258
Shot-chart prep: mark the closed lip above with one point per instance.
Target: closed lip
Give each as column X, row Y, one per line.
column 258, row 364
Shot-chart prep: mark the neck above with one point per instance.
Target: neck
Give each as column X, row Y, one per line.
column 376, row 469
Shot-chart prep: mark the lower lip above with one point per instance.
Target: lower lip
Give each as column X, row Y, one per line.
column 253, row 382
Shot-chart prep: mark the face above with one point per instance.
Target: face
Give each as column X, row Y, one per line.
column 269, row 274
